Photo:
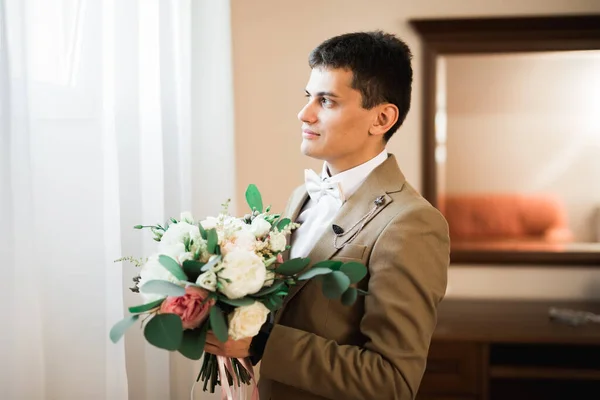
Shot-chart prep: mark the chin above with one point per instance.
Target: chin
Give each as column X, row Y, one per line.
column 309, row 150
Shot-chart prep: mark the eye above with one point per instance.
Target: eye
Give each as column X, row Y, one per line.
column 326, row 102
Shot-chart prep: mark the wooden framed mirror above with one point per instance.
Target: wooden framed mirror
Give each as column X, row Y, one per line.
column 511, row 136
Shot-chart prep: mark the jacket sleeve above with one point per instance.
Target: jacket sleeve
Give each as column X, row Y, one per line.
column 408, row 276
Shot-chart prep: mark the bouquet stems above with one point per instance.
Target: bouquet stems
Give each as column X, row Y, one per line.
column 210, row 376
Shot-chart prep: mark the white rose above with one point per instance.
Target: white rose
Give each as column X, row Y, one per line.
column 154, row 270
column 246, row 321
column 260, row 227
column 242, row 273
column 241, row 239
column 177, row 232
column 186, row 216
column 207, row 280
column 277, row 241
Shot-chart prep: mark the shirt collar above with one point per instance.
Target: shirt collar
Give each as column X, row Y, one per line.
column 351, row 179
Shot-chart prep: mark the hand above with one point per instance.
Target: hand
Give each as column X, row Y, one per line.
column 231, row 348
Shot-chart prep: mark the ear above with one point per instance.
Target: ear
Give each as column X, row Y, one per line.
column 385, row 117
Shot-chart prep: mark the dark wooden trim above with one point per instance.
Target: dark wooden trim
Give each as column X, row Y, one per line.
column 530, row 258
column 496, row 35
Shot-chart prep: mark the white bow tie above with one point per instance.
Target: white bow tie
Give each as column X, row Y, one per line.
column 317, row 188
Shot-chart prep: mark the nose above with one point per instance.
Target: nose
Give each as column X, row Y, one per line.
column 308, row 114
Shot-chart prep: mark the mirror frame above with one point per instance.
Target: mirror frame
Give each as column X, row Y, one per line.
column 496, row 35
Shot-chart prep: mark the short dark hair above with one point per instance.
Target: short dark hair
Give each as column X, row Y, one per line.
column 380, row 63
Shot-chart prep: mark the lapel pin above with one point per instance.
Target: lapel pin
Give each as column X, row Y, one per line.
column 339, row 231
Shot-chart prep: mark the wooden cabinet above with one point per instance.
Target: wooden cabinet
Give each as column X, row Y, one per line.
column 495, row 350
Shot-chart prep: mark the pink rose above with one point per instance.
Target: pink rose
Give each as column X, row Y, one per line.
column 280, row 258
column 191, row 307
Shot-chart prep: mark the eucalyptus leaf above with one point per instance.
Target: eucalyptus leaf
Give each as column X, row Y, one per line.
column 331, row 264
column 212, row 240
column 311, row 273
column 192, row 342
column 275, row 302
column 244, row 301
column 164, row 331
column 293, row 266
column 349, row 296
column 268, row 290
column 254, row 199
column 118, row 329
column 218, row 324
column 283, row 223
column 146, row 307
column 335, row 284
column 164, row 288
column 354, row 270
column 192, row 269
column 173, row 267
column 202, row 231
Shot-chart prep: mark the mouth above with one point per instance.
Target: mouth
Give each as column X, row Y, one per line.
column 308, row 134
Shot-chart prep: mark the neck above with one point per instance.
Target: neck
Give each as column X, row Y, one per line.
column 340, row 165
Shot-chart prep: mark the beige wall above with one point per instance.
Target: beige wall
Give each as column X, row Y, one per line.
column 271, row 41
column 527, row 123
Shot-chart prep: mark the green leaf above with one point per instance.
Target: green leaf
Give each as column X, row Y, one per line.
column 173, row 267
column 311, row 273
column 283, row 223
column 145, row 307
column 253, row 198
column 164, row 288
column 354, row 270
column 192, row 342
column 268, row 290
column 244, row 301
column 118, row 329
column 212, row 240
column 202, row 231
column 218, row 324
column 293, row 266
column 273, row 302
column 192, row 269
column 331, row 264
column 349, row 296
column 335, row 284
column 211, row 263
column 164, row 331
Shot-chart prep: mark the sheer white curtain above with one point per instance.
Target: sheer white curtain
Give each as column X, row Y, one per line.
column 96, row 123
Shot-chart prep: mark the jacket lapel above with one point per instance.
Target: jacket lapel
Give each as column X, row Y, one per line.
column 385, row 179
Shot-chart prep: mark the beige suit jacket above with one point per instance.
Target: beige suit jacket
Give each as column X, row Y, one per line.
column 376, row 348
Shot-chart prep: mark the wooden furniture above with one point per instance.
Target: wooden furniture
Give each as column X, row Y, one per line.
column 493, row 350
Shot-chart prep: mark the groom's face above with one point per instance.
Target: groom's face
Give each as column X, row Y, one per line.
column 335, row 126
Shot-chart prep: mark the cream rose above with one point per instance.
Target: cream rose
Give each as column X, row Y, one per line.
column 260, row 227
column 277, row 241
column 176, row 233
column 241, row 239
column 187, row 216
column 270, row 278
column 243, row 272
column 245, row 321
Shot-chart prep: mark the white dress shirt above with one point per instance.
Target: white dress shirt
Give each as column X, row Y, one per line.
column 316, row 217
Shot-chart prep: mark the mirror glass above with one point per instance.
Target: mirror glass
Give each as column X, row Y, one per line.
column 518, row 150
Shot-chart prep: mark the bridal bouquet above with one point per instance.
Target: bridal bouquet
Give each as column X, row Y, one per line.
column 224, row 274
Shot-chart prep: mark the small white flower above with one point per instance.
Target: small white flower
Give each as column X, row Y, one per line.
column 270, row 278
column 186, row 216
column 246, row 321
column 154, row 270
column 260, row 227
column 176, row 233
column 243, row 272
column 207, row 280
column 277, row 241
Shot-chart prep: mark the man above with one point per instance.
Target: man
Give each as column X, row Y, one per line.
column 360, row 209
